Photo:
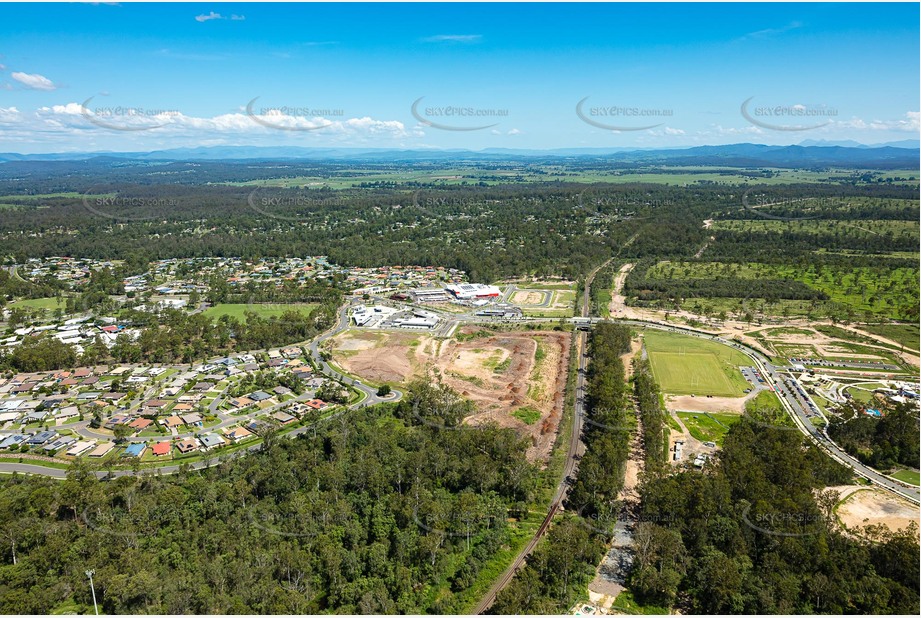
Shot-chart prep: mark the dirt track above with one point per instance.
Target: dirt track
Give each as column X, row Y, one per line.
column 686, row 403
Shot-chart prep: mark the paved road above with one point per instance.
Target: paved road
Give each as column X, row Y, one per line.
column 371, row 397
column 771, row 373
column 796, row 410
column 82, row 427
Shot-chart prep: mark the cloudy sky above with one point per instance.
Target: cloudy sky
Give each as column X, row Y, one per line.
column 125, row 77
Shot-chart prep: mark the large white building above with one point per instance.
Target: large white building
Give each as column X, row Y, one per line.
column 469, row 291
column 420, row 319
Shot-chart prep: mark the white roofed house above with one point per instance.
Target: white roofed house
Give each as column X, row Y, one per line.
column 80, row 448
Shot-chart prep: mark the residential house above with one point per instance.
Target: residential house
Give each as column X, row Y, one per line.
column 283, row 417
column 259, row 396
column 161, row 448
column 210, row 441
column 42, row 437
column 135, row 450
column 193, row 419
column 140, row 424
column 172, row 422
column 241, row 402
column 80, row 448
column 187, row 446
column 60, row 443
column 102, row 450
column 238, row 433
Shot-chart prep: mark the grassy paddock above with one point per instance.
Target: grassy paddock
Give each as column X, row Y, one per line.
column 708, row 426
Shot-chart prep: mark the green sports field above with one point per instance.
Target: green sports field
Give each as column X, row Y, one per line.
column 238, row 310
column 685, row 365
column 42, row 304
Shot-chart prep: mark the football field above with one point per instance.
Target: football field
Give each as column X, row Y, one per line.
column 685, row 365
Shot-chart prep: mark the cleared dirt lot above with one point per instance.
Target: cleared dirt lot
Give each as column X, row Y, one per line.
column 686, row 403
column 502, row 373
column 863, row 507
column 528, row 297
column 376, row 357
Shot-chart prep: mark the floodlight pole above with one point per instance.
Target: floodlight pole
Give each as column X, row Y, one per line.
column 89, row 574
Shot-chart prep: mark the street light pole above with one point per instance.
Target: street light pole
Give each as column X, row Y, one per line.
column 93, row 588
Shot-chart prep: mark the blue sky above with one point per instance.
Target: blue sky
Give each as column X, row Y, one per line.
column 73, row 77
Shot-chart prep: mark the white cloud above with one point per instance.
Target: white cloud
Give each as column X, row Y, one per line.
column 453, row 38
column 34, row 81
column 770, row 32
column 514, row 132
column 750, row 130
column 213, row 15
column 673, row 131
column 910, row 124
column 76, row 120
column 9, row 114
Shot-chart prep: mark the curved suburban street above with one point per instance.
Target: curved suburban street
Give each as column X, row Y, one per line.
column 775, row 376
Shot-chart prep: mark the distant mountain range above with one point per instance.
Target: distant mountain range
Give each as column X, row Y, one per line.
column 893, row 155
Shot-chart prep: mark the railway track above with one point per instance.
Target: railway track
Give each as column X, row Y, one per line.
column 569, row 467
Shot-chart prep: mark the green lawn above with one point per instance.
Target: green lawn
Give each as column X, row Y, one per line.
column 43, row 304
column 708, row 427
column 765, row 400
column 238, row 310
column 912, row 477
column 686, row 365
column 861, row 395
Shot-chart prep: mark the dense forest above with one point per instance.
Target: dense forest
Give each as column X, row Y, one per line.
column 652, row 417
column 756, row 534
column 379, row 512
column 489, row 231
column 609, row 422
column 882, row 443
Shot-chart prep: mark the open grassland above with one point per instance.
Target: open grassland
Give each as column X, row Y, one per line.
column 905, row 334
column 537, row 173
column 238, row 311
column 686, row 365
column 860, row 229
column 765, row 400
column 708, row 426
column 874, row 291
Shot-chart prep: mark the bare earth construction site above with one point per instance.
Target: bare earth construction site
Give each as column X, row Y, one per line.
column 516, row 379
